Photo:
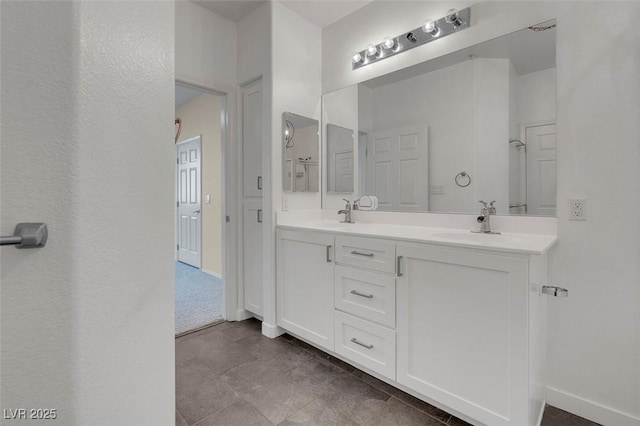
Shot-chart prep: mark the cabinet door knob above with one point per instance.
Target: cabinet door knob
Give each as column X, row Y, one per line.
column 260, row 215
column 328, row 254
column 398, row 263
column 259, row 182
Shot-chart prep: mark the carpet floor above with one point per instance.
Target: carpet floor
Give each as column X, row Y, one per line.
column 198, row 298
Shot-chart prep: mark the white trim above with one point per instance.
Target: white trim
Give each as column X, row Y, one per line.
column 272, row 331
column 243, row 314
column 589, row 409
column 541, row 413
column 213, row 274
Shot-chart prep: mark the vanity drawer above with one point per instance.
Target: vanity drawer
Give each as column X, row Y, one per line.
column 369, row 295
column 370, row 253
column 366, row 343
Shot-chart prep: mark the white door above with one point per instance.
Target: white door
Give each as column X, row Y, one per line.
column 340, row 159
column 541, row 169
column 305, row 285
column 252, row 139
column 188, row 202
column 252, row 256
column 397, row 168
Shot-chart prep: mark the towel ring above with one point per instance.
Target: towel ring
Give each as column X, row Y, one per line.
column 463, row 175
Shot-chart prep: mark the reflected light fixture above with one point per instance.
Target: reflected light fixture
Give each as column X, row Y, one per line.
column 453, row 21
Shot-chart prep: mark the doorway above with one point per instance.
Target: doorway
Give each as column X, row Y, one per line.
column 199, row 209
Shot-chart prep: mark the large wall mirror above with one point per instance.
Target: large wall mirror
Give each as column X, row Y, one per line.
column 301, row 151
column 476, row 124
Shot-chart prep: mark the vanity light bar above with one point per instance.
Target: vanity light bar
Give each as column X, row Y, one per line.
column 453, row 22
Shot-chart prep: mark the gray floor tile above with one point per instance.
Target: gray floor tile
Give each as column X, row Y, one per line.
column 214, row 348
column 318, row 413
column 274, row 394
column 200, row 393
column 240, row 413
column 230, row 374
column 555, row 417
column 355, row 399
column 316, row 375
column 425, row 407
column 179, row 420
column 395, row 412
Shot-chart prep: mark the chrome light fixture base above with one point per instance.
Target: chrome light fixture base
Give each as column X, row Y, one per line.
column 449, row 24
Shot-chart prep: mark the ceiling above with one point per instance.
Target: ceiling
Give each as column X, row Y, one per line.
column 320, row 12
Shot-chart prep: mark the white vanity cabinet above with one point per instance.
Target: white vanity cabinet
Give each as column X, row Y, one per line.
column 462, row 328
column 305, row 285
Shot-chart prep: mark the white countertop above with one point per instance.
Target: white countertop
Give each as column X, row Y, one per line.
column 506, row 242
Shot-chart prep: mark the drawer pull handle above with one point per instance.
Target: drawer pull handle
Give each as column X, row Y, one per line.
column 359, row 253
column 357, row 293
column 364, row 345
column 328, row 254
column 398, row 263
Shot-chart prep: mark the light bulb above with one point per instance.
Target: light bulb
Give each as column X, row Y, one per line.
column 430, row 27
column 453, row 18
column 388, row 43
column 356, row 58
column 372, row 50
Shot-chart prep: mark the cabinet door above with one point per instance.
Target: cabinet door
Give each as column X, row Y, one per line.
column 252, row 131
column 252, row 256
column 305, row 285
column 462, row 330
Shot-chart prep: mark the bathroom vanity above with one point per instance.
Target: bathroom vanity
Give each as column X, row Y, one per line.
column 454, row 318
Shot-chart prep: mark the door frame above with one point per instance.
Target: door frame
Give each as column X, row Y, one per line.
column 229, row 193
column 177, row 194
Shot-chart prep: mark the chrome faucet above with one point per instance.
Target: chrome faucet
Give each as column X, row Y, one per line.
column 485, row 218
column 347, row 211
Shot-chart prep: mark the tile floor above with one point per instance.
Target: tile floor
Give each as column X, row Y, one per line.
column 231, row 375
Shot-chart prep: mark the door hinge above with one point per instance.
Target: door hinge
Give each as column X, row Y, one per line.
column 177, row 246
column 177, row 203
column 228, row 219
column 177, row 160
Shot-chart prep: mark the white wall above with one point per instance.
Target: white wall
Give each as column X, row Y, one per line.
column 206, row 47
column 594, row 353
column 296, row 67
column 87, row 147
column 537, row 96
column 490, row 133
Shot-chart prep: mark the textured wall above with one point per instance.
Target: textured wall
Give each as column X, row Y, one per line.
column 87, row 125
column 201, row 116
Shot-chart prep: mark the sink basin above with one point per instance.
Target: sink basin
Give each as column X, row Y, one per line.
column 472, row 237
column 336, row 225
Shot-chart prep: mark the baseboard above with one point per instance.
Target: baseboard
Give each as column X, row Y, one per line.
column 213, row 274
column 272, row 331
column 243, row 314
column 589, row 410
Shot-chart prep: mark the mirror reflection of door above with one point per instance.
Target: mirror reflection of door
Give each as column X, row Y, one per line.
column 541, row 169
column 340, row 159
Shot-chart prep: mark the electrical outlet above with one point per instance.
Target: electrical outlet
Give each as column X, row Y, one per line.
column 437, row 190
column 578, row 209
column 285, row 204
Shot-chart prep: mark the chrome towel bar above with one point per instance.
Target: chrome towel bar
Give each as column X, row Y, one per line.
column 27, row 235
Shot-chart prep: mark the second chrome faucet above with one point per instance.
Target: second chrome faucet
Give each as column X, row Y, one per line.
column 485, row 218
column 347, row 211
